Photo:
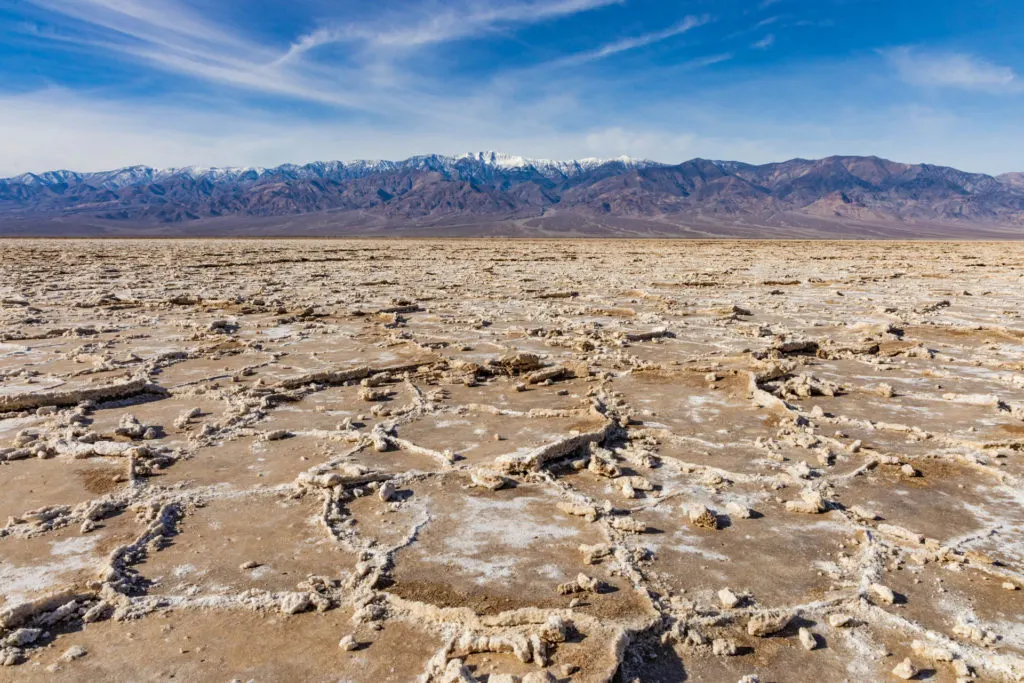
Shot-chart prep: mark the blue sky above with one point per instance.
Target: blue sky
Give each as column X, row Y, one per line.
column 97, row 84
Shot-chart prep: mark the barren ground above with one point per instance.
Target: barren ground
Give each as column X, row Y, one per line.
column 501, row 460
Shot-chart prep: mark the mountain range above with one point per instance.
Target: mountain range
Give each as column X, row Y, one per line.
column 488, row 193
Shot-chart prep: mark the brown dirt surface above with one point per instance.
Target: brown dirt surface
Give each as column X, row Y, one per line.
column 449, row 460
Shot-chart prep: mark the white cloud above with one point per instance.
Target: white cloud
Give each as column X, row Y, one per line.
column 400, row 104
column 952, row 70
column 764, row 43
column 687, row 24
column 167, row 22
column 618, row 141
column 57, row 129
column 416, row 29
column 710, row 60
column 476, row 18
column 172, row 37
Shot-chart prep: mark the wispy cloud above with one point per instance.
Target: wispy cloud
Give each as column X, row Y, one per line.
column 58, row 129
column 454, row 23
column 168, row 23
column 54, row 129
column 475, row 19
column 952, row 70
column 710, row 60
column 552, row 78
column 687, row 24
column 173, row 37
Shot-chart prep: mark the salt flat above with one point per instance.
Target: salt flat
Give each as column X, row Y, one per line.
column 497, row 460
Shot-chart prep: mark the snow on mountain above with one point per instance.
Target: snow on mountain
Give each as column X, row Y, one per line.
column 500, row 186
column 48, row 178
column 338, row 170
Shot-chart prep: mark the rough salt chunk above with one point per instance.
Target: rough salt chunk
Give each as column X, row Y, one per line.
column 882, row 593
column 728, row 598
column 738, row 511
column 628, row 525
column 840, row 620
column 293, row 603
column 74, row 652
column 810, row 503
column 700, row 516
column 589, row 512
column 807, row 639
column 766, row 623
column 905, row 670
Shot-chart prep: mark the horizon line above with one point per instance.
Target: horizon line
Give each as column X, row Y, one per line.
column 526, row 161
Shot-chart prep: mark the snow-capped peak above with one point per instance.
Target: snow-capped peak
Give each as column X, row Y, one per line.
column 462, row 164
column 501, row 160
column 510, row 161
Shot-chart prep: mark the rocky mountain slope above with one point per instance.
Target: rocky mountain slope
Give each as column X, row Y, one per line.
column 492, row 188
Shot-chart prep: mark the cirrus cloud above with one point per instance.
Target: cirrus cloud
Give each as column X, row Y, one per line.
column 952, row 70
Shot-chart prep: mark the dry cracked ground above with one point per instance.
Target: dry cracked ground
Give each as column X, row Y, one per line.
column 511, row 461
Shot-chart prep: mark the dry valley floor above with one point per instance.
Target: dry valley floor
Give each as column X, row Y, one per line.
column 500, row 460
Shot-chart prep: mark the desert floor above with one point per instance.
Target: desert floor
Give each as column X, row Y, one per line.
column 500, row 460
